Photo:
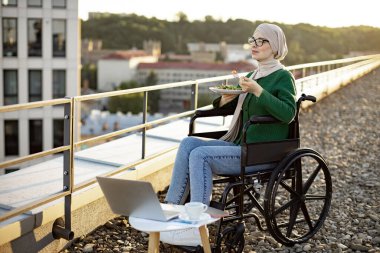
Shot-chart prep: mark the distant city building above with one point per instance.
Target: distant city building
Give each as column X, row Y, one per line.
column 92, row 51
column 152, row 47
column 177, row 99
column 37, row 63
column 210, row 52
column 120, row 66
column 175, row 57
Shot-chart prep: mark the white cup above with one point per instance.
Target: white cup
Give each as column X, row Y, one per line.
column 195, row 209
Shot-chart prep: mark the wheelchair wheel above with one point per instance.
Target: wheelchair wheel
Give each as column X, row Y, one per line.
column 298, row 197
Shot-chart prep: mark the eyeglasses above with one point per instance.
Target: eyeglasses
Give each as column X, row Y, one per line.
column 256, row 42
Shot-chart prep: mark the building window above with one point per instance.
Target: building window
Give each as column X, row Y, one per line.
column 34, row 37
column 59, row 83
column 10, row 87
column 59, row 38
column 35, row 136
column 35, row 85
column 59, row 3
column 11, row 137
column 58, row 132
column 9, row 37
column 35, row 3
column 9, row 2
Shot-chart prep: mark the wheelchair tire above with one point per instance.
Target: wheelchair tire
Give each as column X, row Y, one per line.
column 231, row 240
column 298, row 197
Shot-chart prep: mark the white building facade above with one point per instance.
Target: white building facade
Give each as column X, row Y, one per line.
column 120, row 66
column 40, row 60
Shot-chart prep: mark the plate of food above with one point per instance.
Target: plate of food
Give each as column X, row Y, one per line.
column 227, row 89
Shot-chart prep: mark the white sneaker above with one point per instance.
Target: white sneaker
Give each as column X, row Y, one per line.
column 184, row 237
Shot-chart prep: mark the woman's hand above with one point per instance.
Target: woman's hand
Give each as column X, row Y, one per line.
column 226, row 98
column 251, row 86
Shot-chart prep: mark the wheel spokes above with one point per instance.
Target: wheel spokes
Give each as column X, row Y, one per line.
column 284, row 207
column 306, row 215
column 310, row 180
column 292, row 218
column 288, row 188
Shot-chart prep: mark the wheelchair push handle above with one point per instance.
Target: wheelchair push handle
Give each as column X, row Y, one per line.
column 308, row 98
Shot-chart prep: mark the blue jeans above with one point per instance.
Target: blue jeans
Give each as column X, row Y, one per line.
column 196, row 161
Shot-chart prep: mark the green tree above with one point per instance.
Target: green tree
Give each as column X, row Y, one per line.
column 153, row 96
column 89, row 74
column 296, row 53
column 126, row 103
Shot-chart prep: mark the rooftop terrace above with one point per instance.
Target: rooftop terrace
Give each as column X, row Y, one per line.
column 33, row 198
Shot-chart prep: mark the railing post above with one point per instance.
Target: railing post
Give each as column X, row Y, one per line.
column 145, row 109
column 194, row 96
column 62, row 229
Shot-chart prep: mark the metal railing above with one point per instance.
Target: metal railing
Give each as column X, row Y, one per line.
column 320, row 81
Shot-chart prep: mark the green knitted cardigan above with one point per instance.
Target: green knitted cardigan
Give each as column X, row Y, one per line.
column 277, row 99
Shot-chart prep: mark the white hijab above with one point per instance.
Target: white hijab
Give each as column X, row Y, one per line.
column 277, row 41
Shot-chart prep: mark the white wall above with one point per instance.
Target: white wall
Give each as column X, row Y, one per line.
column 111, row 72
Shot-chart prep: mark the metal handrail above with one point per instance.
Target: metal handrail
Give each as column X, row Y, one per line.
column 134, row 128
column 132, row 91
column 35, row 204
column 332, row 62
column 364, row 62
column 32, row 105
column 72, row 101
column 26, row 158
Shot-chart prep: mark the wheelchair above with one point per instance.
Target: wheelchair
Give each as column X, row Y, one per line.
column 289, row 186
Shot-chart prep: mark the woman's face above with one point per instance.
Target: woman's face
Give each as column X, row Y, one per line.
column 263, row 52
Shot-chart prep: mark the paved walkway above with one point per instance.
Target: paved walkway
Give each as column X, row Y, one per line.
column 343, row 128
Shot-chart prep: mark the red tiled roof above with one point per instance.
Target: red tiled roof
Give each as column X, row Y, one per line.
column 239, row 66
column 125, row 55
column 180, row 57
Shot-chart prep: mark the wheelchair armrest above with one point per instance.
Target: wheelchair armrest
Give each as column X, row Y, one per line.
column 208, row 113
column 265, row 119
column 213, row 112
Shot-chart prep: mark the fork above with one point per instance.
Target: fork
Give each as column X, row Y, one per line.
column 235, row 74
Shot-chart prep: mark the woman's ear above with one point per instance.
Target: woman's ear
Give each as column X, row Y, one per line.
column 274, row 54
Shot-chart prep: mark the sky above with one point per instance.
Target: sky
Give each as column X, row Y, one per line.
column 330, row 13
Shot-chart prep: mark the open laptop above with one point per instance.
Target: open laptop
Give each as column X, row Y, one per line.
column 134, row 198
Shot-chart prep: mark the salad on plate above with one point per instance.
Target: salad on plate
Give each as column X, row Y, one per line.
column 227, row 89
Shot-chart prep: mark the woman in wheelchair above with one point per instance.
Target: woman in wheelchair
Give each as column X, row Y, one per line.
column 256, row 149
column 269, row 90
